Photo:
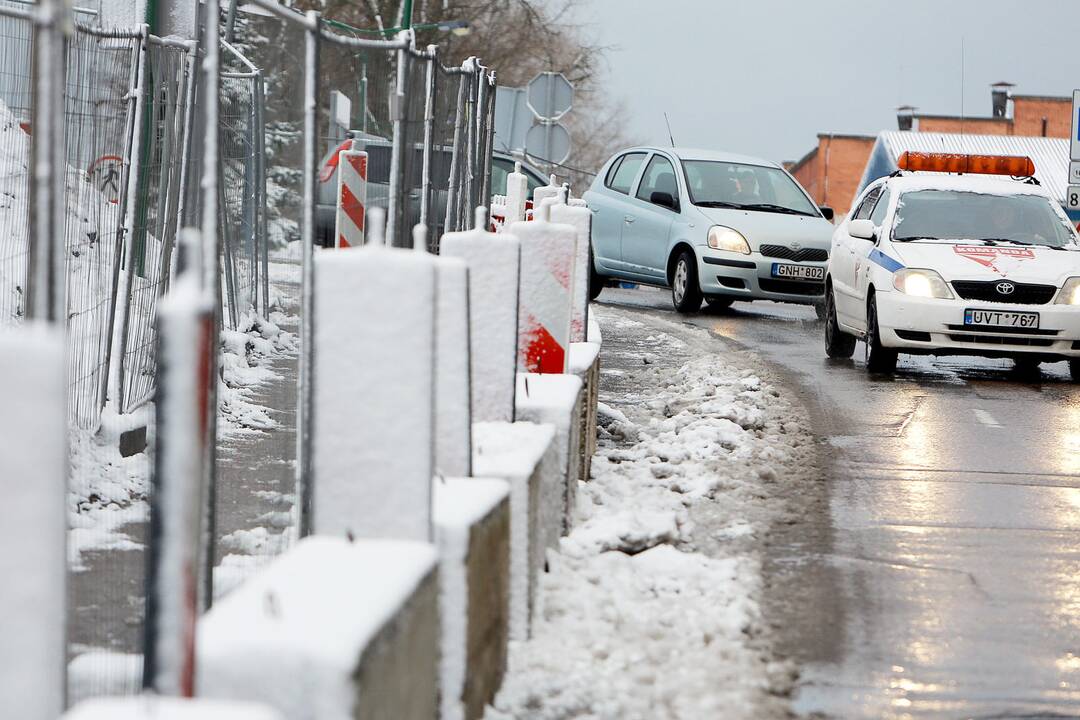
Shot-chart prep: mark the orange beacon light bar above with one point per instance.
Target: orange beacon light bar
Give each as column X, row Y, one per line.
column 1012, row 165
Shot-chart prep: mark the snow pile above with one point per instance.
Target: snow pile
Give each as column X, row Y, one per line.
column 245, row 357
column 650, row 606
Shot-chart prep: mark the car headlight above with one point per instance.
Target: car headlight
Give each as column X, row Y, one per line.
column 921, row 283
column 1070, row 292
column 724, row 238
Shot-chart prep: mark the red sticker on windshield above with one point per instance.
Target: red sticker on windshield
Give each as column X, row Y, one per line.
column 991, row 257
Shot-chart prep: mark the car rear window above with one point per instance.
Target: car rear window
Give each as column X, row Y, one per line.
column 622, row 174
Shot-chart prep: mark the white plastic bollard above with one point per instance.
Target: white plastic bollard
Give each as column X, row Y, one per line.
column 185, row 341
column 351, row 198
column 517, row 194
column 547, row 270
column 494, row 263
column 374, row 391
column 453, row 416
column 580, row 218
column 33, row 522
column 544, row 192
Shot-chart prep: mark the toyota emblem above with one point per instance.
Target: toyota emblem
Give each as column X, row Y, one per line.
column 1005, row 288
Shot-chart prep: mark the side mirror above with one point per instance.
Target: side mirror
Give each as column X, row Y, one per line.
column 862, row 229
column 827, row 212
column 664, row 199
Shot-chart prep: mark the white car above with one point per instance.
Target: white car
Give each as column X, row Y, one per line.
column 709, row 225
column 936, row 263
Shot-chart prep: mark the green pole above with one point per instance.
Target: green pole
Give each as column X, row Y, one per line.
column 406, row 15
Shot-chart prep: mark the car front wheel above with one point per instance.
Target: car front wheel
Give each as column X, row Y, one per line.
column 596, row 280
column 838, row 344
column 685, row 289
column 879, row 359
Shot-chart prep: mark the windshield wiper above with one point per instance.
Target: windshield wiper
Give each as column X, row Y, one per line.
column 770, row 207
column 995, row 241
column 913, row 238
column 719, row 204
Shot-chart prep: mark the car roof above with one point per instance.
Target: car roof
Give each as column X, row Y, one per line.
column 712, row 155
column 987, row 184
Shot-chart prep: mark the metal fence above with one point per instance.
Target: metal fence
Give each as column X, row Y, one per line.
column 15, row 119
column 242, row 201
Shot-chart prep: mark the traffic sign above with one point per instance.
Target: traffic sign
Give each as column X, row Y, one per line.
column 1072, row 198
column 548, row 142
column 1074, row 145
column 550, row 96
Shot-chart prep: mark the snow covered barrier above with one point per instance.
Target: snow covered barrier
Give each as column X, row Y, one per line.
column 33, row 523
column 523, row 454
column 149, row 707
column 453, row 431
column 517, row 195
column 331, row 630
column 555, row 400
column 547, row 269
column 494, row 263
column 472, row 524
column 580, row 218
column 374, row 393
column 585, row 364
column 552, row 190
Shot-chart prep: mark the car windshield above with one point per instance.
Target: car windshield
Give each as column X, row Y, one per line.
column 750, row 187
column 965, row 216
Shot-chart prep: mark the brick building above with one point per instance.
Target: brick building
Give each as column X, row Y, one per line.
column 831, row 172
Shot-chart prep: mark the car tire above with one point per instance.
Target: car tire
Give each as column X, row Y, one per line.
column 596, row 280
column 719, row 303
column 879, row 359
column 685, row 289
column 838, row 344
column 1074, row 370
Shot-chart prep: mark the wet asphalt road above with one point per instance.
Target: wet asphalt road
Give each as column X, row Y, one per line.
column 944, row 579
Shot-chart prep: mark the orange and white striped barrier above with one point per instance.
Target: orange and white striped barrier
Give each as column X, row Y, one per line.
column 351, row 198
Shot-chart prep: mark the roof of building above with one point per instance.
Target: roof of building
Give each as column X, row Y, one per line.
column 1050, row 155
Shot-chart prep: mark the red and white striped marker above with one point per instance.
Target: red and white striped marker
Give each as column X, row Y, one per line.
column 351, row 198
column 547, row 269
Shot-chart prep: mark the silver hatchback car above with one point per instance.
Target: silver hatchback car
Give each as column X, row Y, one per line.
column 711, row 226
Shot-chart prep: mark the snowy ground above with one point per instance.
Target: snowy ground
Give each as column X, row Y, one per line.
column 651, row 608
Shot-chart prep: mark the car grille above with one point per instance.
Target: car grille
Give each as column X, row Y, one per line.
column 1004, row 330
column 792, row 287
column 1000, row 340
column 1024, row 294
column 786, row 253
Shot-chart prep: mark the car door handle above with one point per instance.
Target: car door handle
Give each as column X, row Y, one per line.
column 628, row 218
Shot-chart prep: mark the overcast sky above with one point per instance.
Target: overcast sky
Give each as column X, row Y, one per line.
column 763, row 77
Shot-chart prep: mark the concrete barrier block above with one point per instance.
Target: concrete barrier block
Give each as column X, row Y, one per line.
column 472, row 525
column 151, row 707
column 374, row 393
column 585, row 364
column 453, row 402
column 523, row 454
column 494, row 263
column 579, row 218
column 332, row 630
column 33, row 521
column 555, row 400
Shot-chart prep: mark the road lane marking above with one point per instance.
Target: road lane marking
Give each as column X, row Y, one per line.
column 986, row 418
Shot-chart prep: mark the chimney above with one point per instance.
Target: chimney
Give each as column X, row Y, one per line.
column 905, row 117
column 1000, row 93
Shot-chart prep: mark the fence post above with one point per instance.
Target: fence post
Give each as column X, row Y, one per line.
column 429, row 138
column 470, row 140
column 186, row 340
column 52, row 27
column 211, row 279
column 396, row 200
column 488, row 81
column 122, row 300
column 260, row 180
column 307, row 317
column 453, row 192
